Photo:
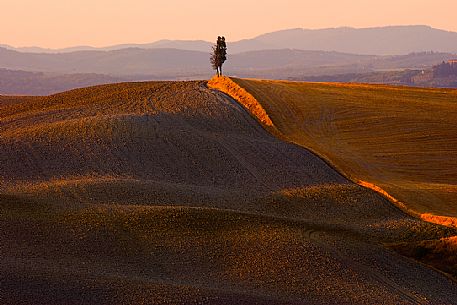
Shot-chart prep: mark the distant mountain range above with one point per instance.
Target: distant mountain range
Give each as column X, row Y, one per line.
column 42, row 74
column 175, row 63
column 391, row 40
column 189, row 45
column 291, row 54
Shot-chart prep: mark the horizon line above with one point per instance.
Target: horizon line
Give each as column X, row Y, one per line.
column 203, row 40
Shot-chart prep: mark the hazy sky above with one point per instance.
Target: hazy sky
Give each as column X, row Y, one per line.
column 63, row 23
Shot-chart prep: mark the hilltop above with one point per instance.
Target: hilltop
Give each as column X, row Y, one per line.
column 171, row 193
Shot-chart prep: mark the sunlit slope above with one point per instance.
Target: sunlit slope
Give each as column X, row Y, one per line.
column 401, row 139
column 172, row 193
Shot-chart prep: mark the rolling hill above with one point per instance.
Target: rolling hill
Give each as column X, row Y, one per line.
column 120, row 62
column 181, row 63
column 43, row 74
column 400, row 139
column 13, row 82
column 174, row 62
column 173, row 193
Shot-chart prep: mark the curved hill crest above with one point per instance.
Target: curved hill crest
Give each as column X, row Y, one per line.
column 172, row 193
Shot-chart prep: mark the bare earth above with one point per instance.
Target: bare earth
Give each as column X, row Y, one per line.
column 401, row 139
column 171, row 193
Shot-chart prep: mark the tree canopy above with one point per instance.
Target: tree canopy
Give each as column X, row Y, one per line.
column 219, row 55
column 445, row 69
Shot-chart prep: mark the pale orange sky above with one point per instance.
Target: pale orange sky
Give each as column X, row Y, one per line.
column 64, row 23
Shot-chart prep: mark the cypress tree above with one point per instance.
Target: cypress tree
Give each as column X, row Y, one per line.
column 219, row 55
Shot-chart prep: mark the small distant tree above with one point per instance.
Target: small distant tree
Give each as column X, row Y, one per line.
column 219, row 55
column 445, row 69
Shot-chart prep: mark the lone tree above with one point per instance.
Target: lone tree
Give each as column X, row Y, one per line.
column 219, row 55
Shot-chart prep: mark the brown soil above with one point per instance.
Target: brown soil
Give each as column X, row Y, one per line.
column 171, row 193
column 401, row 140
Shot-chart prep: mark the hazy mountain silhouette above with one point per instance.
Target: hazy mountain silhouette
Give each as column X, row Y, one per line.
column 288, row 54
column 42, row 74
column 175, row 63
column 190, row 45
column 119, row 62
column 390, row 40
